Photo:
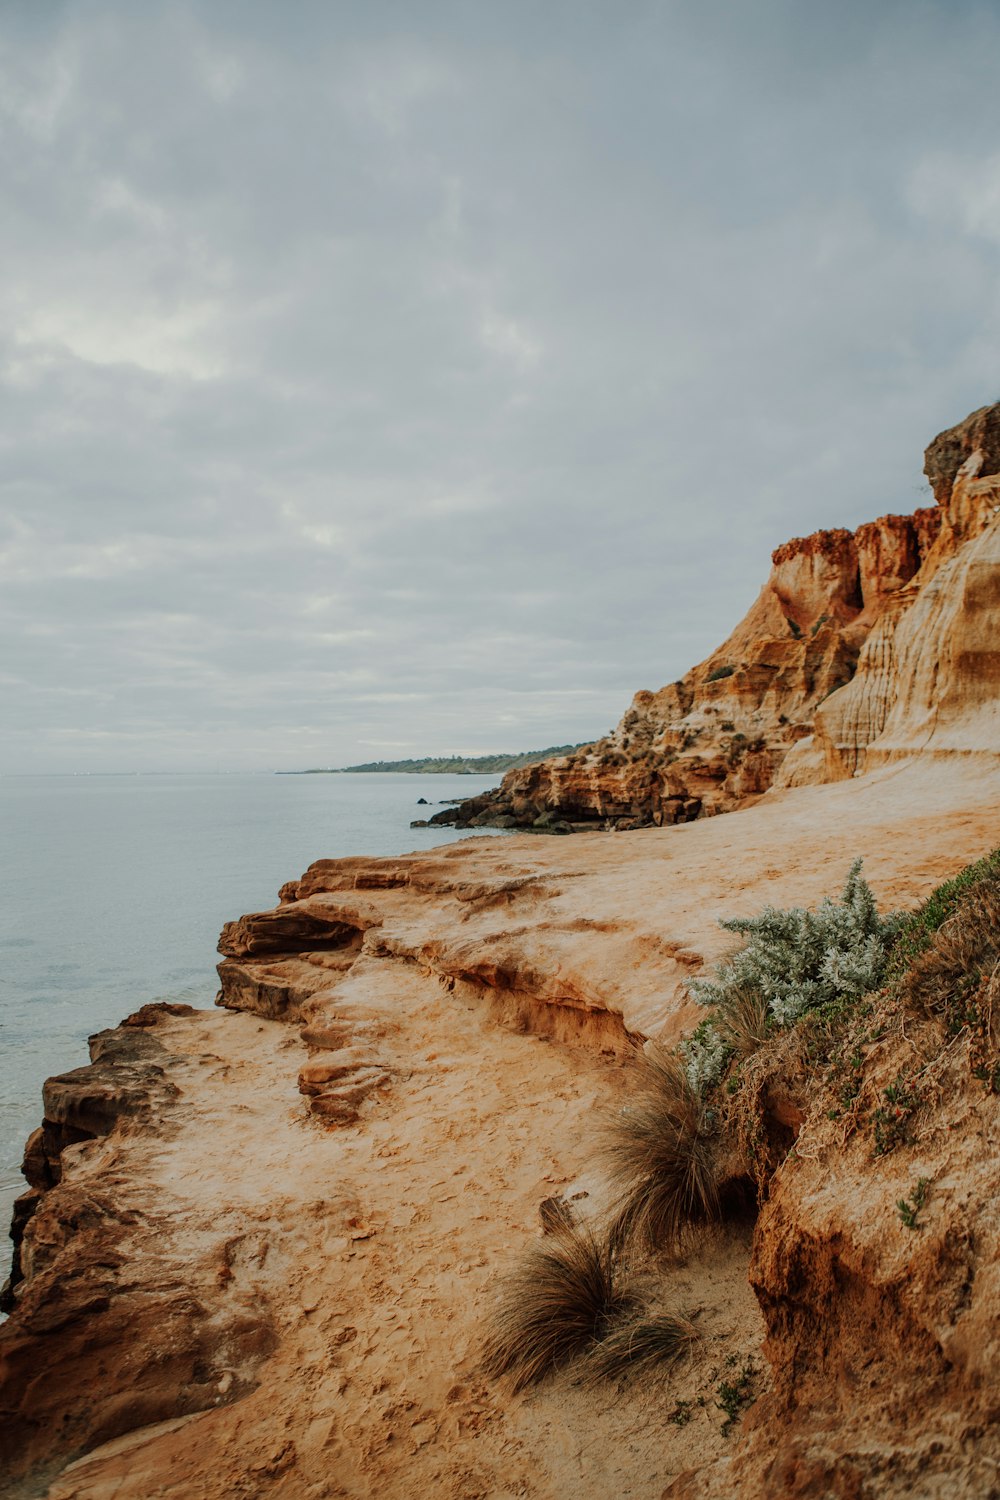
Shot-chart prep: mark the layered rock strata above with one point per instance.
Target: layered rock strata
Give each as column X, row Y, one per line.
column 832, row 669
column 234, row 1291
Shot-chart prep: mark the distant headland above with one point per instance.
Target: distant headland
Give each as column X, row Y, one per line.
column 446, row 765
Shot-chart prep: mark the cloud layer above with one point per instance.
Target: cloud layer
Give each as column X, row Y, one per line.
column 396, row 379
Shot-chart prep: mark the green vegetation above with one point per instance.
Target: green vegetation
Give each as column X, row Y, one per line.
column 719, row 673
column 798, row 960
column 920, row 928
column 736, row 1395
column 890, row 1121
column 814, row 1012
column 910, row 1207
column 455, row 765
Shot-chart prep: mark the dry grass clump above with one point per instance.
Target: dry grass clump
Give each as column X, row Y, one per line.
column 660, row 1157
column 743, row 1019
column 943, row 979
column 640, row 1344
column 563, row 1297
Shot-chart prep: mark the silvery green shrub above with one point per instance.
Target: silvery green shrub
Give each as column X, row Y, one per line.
column 705, row 1055
column 800, row 959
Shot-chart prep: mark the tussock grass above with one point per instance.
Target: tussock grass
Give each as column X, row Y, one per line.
column 919, row 930
column 659, row 1154
column 639, row 1345
column 563, row 1297
column 943, row 978
column 743, row 1019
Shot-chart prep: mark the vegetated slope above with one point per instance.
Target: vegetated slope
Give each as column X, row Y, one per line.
column 876, row 1255
column 271, row 1272
column 860, row 647
column 461, row 765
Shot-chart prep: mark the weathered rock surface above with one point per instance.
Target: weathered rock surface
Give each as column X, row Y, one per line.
column 809, row 678
column 109, row 1332
column 246, row 1289
column 258, row 1244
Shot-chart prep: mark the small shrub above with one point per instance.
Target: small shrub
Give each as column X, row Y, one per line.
column 918, row 930
column 705, row 1053
column 639, row 1345
column 890, row 1122
column 945, row 975
column 659, row 1151
column 563, row 1298
column 799, row 960
column 719, row 673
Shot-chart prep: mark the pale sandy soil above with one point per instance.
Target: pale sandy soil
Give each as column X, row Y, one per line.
column 375, row 1249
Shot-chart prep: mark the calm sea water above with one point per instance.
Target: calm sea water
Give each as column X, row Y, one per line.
column 113, row 890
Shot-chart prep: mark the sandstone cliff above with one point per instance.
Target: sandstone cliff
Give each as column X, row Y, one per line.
column 836, row 666
column 263, row 1264
column 258, row 1245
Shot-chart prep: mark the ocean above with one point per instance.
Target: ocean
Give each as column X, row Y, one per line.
column 113, row 890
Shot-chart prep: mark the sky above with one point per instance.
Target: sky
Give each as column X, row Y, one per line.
column 390, row 379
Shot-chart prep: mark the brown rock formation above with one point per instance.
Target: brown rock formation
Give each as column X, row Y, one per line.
column 817, row 651
column 236, row 1292
column 980, row 432
column 259, row 1244
column 105, row 1335
column 929, row 672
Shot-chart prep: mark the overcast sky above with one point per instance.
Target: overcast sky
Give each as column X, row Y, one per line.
column 385, row 379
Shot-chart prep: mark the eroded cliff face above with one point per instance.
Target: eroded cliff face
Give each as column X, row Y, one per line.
column 264, row 1266
column 929, row 672
column 259, row 1244
column 861, row 646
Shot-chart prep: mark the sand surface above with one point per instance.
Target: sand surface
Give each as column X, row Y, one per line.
column 375, row 1249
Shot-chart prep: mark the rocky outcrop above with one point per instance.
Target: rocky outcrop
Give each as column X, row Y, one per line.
column 979, row 433
column 803, row 685
column 109, row 1332
column 928, row 674
column 269, row 1274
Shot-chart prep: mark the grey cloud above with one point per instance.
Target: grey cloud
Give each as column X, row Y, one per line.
column 436, row 376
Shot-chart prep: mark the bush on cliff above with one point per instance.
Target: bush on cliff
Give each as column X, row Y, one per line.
column 793, row 961
column 801, row 1020
column 700, row 1128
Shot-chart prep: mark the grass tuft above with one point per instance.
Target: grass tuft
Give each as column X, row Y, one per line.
column 943, row 977
column 638, row 1345
column 660, row 1156
column 920, row 928
column 563, row 1297
column 743, row 1019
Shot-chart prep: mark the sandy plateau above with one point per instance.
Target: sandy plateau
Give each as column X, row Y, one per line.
column 260, row 1244
column 334, row 1278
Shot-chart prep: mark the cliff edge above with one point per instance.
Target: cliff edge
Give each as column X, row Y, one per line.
column 852, row 654
column 261, row 1245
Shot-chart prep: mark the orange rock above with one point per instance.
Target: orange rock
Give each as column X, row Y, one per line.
column 821, row 666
